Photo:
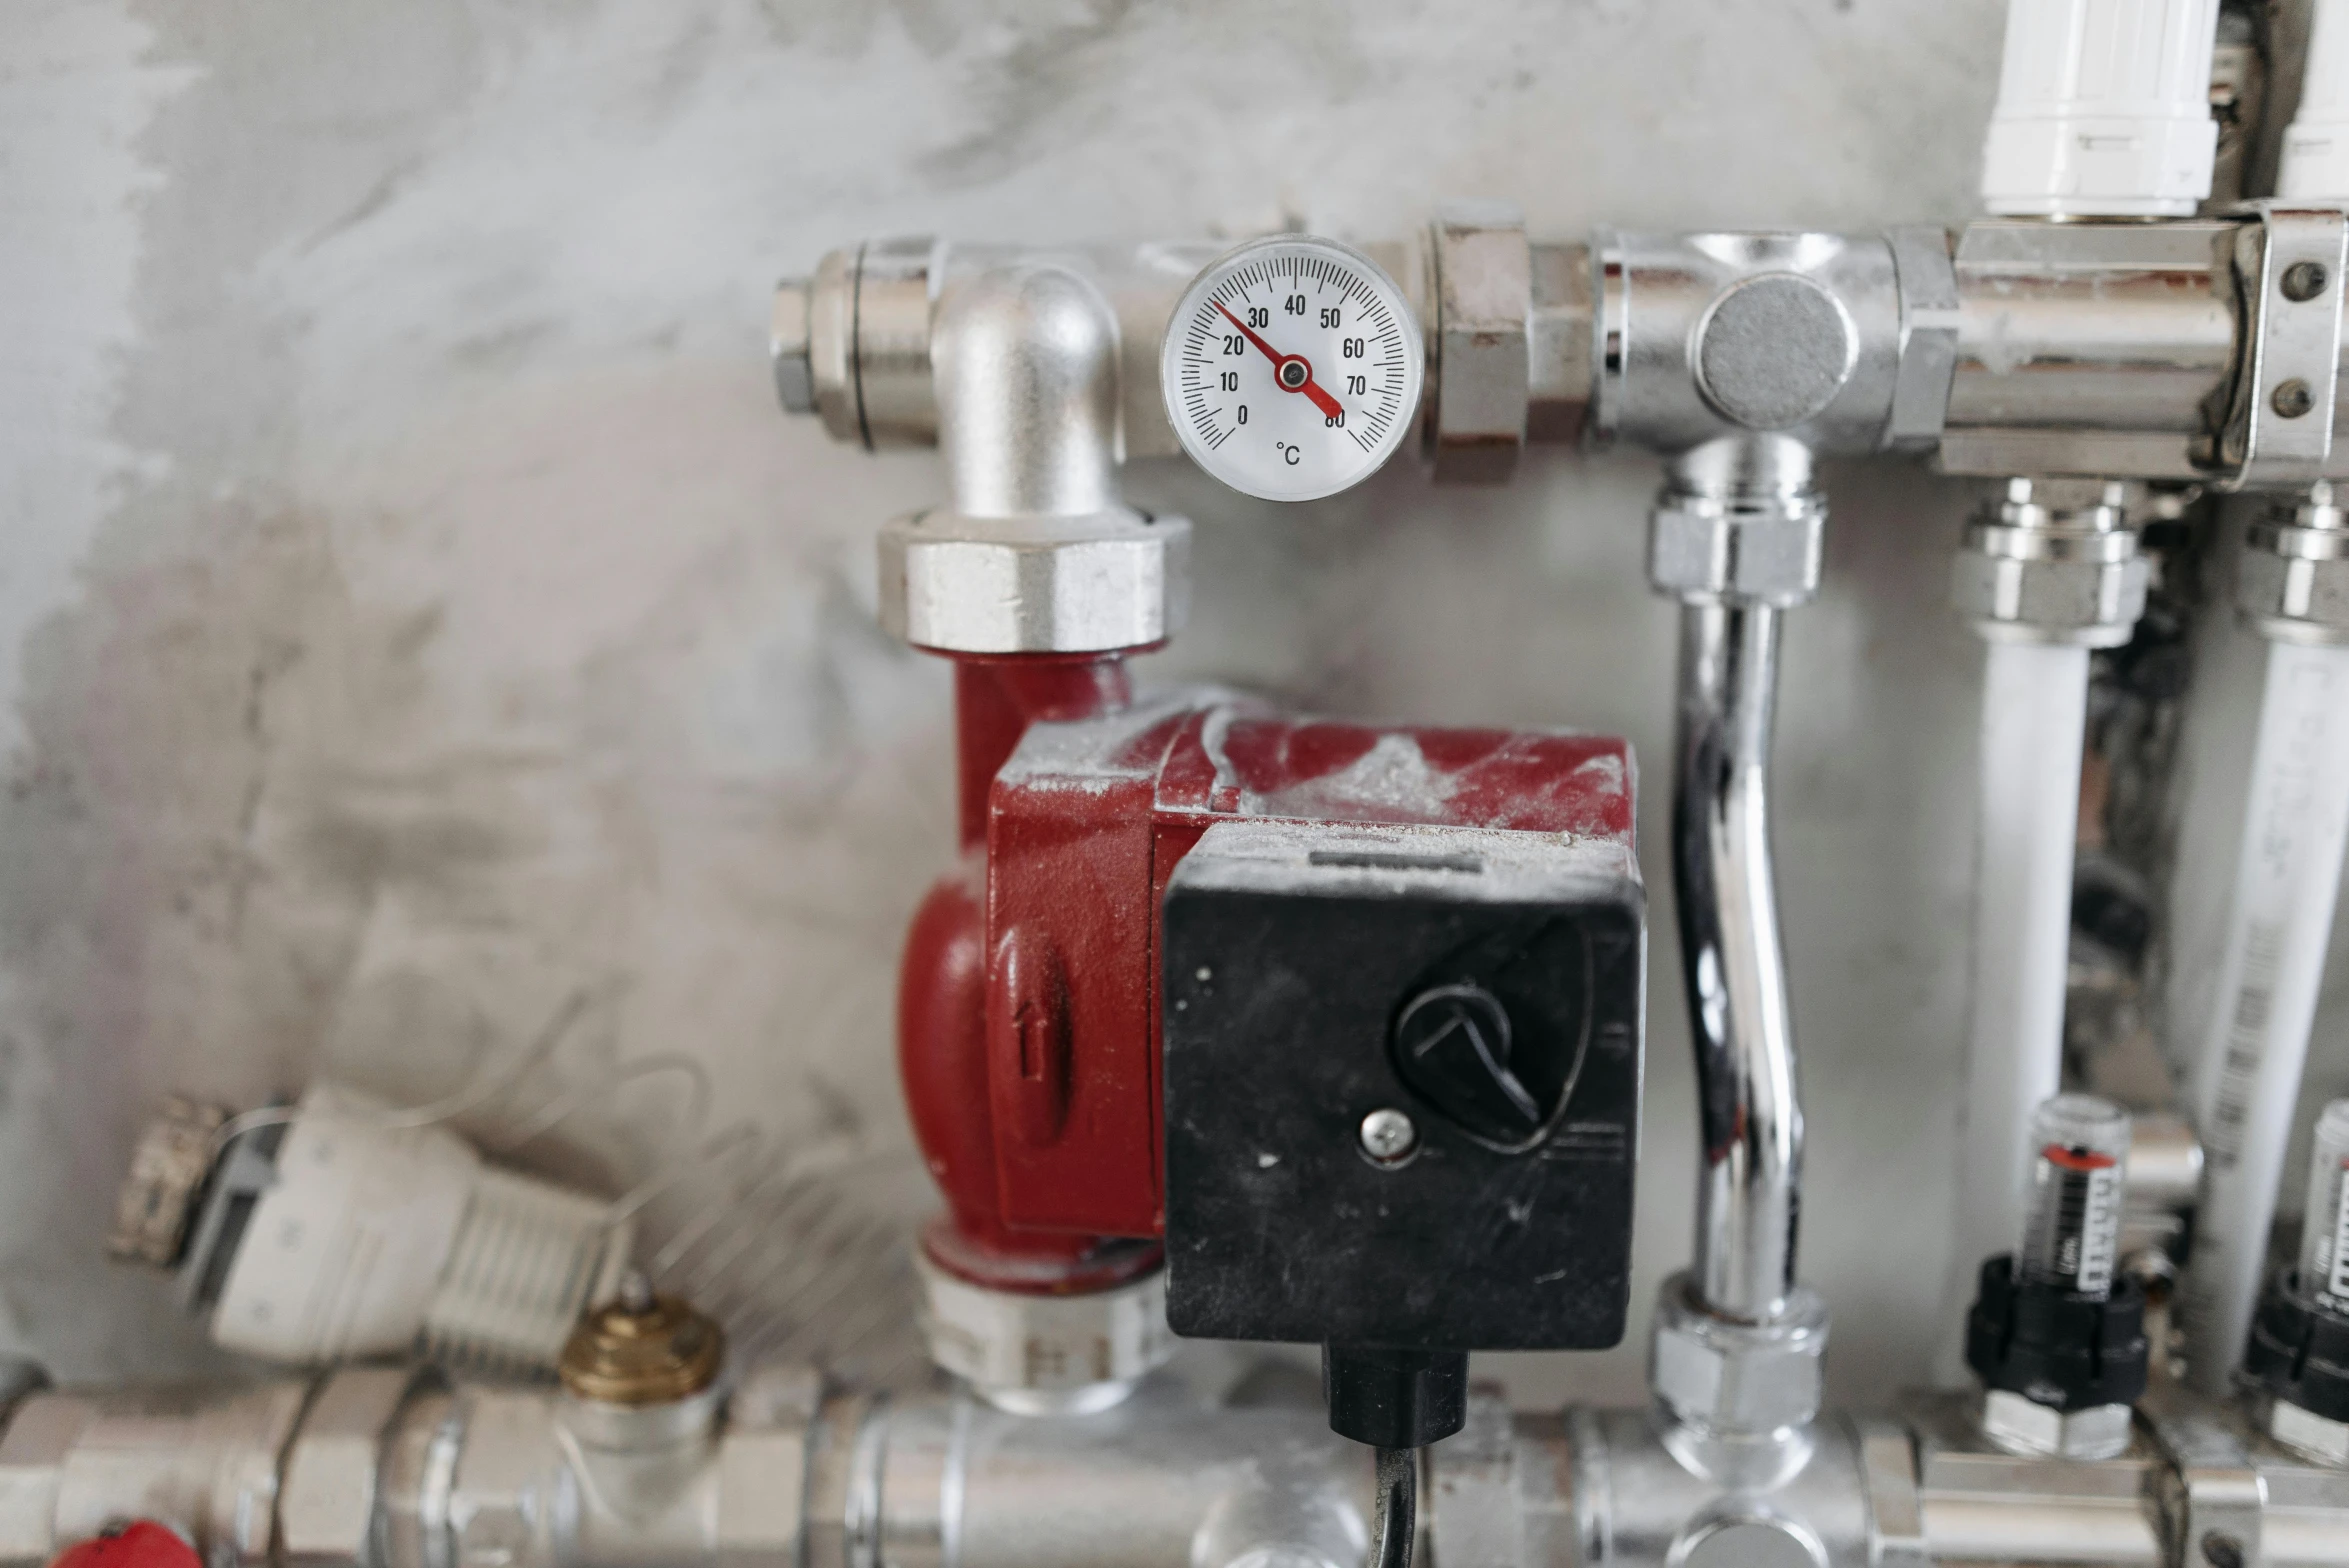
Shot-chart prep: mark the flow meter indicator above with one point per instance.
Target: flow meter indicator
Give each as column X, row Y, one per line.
column 1292, row 368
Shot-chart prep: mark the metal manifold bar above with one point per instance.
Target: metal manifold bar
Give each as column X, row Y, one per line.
column 388, row 1468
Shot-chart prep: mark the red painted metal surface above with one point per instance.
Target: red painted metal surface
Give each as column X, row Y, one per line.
column 943, row 993
column 140, row 1544
column 996, row 699
column 1030, row 994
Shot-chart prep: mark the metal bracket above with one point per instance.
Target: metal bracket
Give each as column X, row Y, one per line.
column 1896, row 1510
column 2289, row 276
column 2217, row 1496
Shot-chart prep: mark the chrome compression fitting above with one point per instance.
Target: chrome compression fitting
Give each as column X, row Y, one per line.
column 2056, row 561
column 2292, row 581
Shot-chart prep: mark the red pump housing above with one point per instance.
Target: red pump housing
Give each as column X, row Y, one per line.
column 1030, row 993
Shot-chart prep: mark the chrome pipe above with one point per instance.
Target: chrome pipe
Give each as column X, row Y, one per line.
column 1749, row 1111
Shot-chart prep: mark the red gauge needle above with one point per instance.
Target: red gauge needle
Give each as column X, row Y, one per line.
column 1288, row 379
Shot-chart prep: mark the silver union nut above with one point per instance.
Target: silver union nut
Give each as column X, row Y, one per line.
column 1738, row 1379
column 1034, row 585
column 2292, row 579
column 790, row 346
column 1484, row 304
column 759, row 1523
column 2021, row 1426
column 1045, row 1354
column 1766, row 552
column 2056, row 562
column 2318, row 1437
column 2087, row 590
column 326, row 1513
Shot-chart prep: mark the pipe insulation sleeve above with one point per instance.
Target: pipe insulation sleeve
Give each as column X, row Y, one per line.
column 2247, row 1073
column 2315, row 163
column 2103, row 110
column 2034, row 714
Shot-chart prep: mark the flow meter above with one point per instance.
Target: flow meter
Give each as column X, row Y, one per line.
column 1292, row 368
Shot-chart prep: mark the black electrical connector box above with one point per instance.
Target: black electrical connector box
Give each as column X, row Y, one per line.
column 1488, row 986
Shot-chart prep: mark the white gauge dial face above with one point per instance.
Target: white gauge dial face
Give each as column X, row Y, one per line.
column 1292, row 368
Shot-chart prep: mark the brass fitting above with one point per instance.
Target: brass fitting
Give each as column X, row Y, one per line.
column 641, row 1349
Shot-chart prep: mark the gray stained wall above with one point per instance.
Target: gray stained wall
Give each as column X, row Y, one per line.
column 414, row 611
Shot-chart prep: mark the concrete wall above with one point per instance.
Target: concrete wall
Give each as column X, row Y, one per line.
column 413, row 609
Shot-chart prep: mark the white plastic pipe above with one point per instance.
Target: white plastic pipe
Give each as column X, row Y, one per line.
column 2034, row 716
column 2103, row 109
column 2247, row 1076
column 2316, row 148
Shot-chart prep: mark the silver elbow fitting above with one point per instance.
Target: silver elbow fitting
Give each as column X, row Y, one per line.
column 1036, row 553
column 1025, row 358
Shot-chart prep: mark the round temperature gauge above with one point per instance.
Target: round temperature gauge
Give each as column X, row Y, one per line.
column 1292, row 368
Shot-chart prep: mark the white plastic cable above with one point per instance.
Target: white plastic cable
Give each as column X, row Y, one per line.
column 2247, row 1076
column 2034, row 716
column 2103, row 109
column 2316, row 148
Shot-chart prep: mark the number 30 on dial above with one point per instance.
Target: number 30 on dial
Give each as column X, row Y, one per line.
column 1292, row 368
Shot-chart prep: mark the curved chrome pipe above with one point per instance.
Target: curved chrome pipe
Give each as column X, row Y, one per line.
column 1750, row 1114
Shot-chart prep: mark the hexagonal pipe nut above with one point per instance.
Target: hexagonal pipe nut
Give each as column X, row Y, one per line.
column 1484, row 303
column 2040, row 585
column 2021, row 1426
column 1737, row 1379
column 2292, row 583
column 499, row 1498
column 1045, row 1354
column 789, row 347
column 2305, row 1432
column 1765, row 551
column 767, row 1435
column 1035, row 584
column 326, row 1514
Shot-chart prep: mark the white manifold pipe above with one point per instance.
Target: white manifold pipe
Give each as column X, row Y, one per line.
column 2034, row 715
column 2315, row 165
column 2103, row 109
column 2247, row 1074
